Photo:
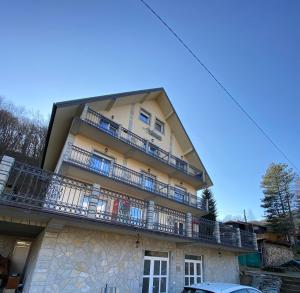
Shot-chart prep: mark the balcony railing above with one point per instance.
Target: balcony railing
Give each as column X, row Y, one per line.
column 204, row 229
column 32, row 188
column 115, row 130
column 141, row 180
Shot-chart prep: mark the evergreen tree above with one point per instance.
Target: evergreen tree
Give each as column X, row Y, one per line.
column 209, row 201
column 278, row 200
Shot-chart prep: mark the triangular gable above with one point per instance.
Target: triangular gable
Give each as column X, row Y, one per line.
column 64, row 112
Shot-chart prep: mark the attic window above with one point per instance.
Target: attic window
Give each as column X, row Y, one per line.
column 159, row 126
column 145, row 116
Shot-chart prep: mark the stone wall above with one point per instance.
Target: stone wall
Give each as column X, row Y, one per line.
column 79, row 260
column 276, row 255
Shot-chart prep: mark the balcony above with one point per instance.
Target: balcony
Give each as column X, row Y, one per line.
column 108, row 132
column 142, row 181
column 31, row 188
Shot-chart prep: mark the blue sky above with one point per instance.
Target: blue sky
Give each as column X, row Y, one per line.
column 59, row 50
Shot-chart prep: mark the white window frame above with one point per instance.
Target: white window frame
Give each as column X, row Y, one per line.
column 194, row 262
column 145, row 113
column 151, row 276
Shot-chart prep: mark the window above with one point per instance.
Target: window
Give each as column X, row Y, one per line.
column 100, row 164
column 152, row 150
column 145, row 116
column 136, row 215
column 178, row 228
column 193, row 270
column 148, row 181
column 195, row 228
column 101, row 206
column 159, row 126
column 181, row 164
column 179, row 193
column 108, row 126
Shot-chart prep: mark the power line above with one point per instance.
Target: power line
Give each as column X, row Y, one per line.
column 233, row 99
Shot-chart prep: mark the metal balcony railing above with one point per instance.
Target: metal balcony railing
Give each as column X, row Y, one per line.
column 112, row 128
column 141, row 180
column 32, row 188
column 204, row 229
column 169, row 221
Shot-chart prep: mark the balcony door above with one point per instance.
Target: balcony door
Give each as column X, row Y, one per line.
column 179, row 193
column 148, row 181
column 100, row 163
column 155, row 277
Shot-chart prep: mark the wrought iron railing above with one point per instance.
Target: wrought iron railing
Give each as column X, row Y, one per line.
column 87, row 160
column 169, row 221
column 204, row 229
column 112, row 128
column 36, row 189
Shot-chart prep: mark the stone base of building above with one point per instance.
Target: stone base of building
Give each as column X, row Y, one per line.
column 80, row 260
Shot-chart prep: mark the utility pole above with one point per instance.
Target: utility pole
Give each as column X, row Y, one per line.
column 245, row 217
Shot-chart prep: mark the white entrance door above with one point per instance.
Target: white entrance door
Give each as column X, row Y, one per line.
column 155, row 278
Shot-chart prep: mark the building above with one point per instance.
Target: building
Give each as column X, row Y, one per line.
column 115, row 204
column 273, row 248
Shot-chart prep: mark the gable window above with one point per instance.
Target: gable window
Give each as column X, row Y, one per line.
column 145, row 116
column 159, row 126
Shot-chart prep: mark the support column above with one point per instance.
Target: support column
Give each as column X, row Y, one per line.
column 188, row 222
column 93, row 201
column 150, row 215
column 217, row 232
column 238, row 237
column 255, row 241
column 66, row 152
column 5, row 167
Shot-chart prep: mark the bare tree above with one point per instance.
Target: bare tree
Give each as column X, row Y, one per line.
column 22, row 134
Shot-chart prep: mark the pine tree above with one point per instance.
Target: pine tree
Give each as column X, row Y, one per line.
column 209, row 200
column 278, row 200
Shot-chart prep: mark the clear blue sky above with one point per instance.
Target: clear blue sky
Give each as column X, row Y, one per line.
column 59, row 50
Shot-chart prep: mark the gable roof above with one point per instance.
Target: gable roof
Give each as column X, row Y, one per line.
column 64, row 112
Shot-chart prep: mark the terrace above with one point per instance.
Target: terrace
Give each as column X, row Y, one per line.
column 98, row 165
column 34, row 189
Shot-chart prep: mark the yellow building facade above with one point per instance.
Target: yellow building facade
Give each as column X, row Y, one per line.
column 118, row 195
